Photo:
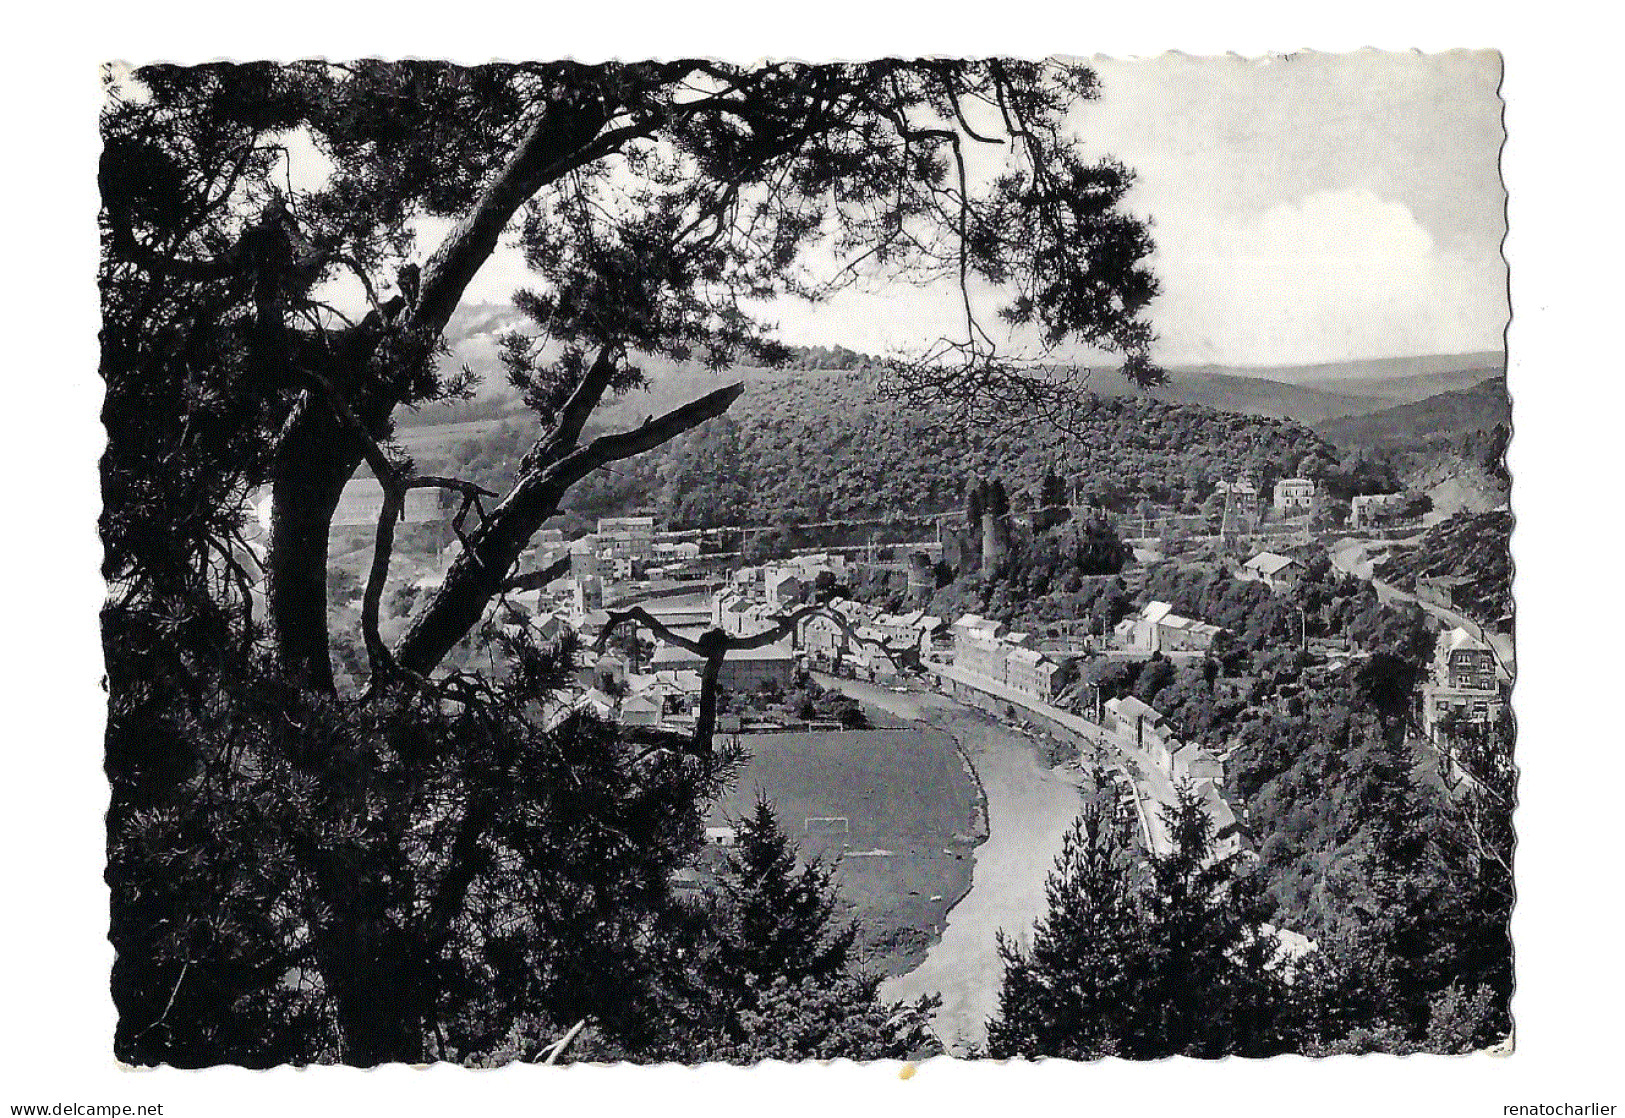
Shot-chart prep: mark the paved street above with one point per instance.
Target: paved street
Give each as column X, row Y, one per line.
column 1354, row 557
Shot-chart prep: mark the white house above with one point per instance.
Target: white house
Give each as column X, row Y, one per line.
column 1294, row 495
column 1159, row 629
column 1195, row 764
column 782, row 588
column 1133, row 719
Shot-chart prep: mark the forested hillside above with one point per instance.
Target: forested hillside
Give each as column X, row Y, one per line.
column 1476, row 548
column 817, row 446
column 1478, row 408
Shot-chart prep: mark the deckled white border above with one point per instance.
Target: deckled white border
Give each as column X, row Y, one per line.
column 1565, row 259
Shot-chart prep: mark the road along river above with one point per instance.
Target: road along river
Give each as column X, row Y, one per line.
column 1029, row 809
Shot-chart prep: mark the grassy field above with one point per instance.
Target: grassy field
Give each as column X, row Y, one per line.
column 905, row 857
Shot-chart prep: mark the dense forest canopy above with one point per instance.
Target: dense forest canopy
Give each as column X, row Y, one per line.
column 826, row 446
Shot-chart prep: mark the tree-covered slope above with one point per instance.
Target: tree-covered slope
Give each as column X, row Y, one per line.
column 821, row 446
column 1454, row 413
column 1477, row 548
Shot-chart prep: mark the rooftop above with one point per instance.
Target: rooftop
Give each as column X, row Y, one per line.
column 1267, row 562
column 1131, row 707
column 675, row 654
column 1460, row 640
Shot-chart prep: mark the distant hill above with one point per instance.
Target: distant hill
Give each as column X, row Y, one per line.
column 1446, row 414
column 825, row 445
column 1247, row 395
column 1409, row 389
column 1307, row 394
column 1342, row 376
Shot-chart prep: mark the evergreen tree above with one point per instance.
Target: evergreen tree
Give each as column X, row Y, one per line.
column 1212, row 989
column 997, row 501
column 783, row 984
column 1144, row 957
column 1051, row 503
column 779, row 921
column 1065, row 995
column 973, row 504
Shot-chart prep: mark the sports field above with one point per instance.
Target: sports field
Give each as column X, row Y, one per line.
column 894, row 807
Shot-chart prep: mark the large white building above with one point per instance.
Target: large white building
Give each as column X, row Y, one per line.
column 1465, row 686
column 743, row 669
column 1159, row 629
column 983, row 648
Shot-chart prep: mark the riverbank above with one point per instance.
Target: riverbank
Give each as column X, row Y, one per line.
column 1029, row 808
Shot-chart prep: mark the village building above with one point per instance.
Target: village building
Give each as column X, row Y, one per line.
column 809, row 566
column 640, row 710
column 1240, row 497
column 685, row 613
column 821, row 637
column 1159, row 629
column 586, row 593
column 613, row 568
column 1228, row 836
column 1193, row 763
column 681, row 551
column 739, row 616
column 1032, row 673
column 1464, row 685
column 1278, row 572
column 597, row 702
column 869, row 661
column 782, row 588
column 1461, row 659
column 1440, row 590
column 743, row 670
column 1241, row 489
column 1294, row 495
column 1364, row 507
column 1133, row 719
column 584, row 553
column 978, row 648
column 627, row 537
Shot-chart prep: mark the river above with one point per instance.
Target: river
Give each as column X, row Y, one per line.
column 1029, row 809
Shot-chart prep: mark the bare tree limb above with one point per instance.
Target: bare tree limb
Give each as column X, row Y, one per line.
column 713, row 647
column 651, row 433
column 535, row 580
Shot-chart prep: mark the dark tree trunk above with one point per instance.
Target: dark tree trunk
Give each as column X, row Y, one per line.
column 315, row 461
column 317, row 454
column 380, row 986
column 714, row 642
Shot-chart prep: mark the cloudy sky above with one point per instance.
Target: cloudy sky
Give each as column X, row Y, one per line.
column 1306, row 209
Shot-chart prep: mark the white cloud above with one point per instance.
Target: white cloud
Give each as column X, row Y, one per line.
column 1337, row 275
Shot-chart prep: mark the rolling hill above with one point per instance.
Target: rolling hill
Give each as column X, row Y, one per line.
column 1447, row 414
column 1334, row 396
column 1366, row 373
